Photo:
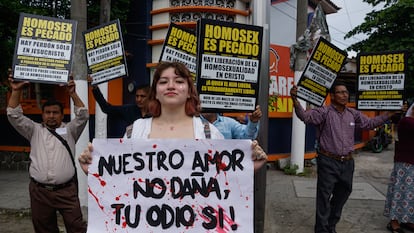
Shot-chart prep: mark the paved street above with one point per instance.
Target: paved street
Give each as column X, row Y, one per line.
column 291, row 199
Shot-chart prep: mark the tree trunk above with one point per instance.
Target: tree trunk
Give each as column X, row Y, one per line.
column 79, row 70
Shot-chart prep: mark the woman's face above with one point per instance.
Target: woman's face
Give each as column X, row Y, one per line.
column 172, row 89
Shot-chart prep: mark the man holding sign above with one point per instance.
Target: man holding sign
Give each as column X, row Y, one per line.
column 53, row 186
column 336, row 124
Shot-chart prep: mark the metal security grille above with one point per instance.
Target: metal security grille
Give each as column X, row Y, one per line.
column 194, row 16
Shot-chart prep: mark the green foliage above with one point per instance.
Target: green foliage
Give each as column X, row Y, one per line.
column 53, row 8
column 119, row 10
column 389, row 29
column 3, row 89
column 291, row 169
column 307, row 172
column 376, row 2
column 9, row 13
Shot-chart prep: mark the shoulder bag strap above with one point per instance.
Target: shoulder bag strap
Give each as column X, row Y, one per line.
column 65, row 143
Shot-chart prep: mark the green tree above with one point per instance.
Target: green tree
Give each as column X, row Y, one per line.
column 9, row 15
column 53, row 8
column 389, row 29
column 119, row 10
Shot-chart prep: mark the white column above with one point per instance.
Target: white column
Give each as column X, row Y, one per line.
column 297, row 150
column 100, row 117
column 82, row 90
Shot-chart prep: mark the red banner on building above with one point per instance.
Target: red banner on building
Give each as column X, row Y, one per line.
column 281, row 80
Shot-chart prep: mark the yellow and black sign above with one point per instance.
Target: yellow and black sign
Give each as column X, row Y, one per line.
column 180, row 45
column 381, row 78
column 44, row 49
column 320, row 72
column 228, row 65
column 105, row 52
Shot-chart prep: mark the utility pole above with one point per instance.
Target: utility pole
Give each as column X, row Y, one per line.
column 105, row 11
column 101, row 118
column 297, row 153
column 261, row 17
column 78, row 13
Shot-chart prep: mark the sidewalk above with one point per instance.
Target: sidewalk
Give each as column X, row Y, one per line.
column 290, row 200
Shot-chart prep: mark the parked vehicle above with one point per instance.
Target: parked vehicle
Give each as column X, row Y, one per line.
column 382, row 138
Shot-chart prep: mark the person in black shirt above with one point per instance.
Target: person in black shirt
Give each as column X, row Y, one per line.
column 124, row 115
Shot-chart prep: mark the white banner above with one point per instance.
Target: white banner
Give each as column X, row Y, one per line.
column 155, row 185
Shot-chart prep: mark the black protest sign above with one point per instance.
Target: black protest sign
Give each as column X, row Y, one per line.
column 228, row 65
column 381, row 80
column 180, row 45
column 105, row 52
column 321, row 70
column 171, row 185
column 44, row 48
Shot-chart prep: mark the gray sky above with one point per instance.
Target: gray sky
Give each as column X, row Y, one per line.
column 351, row 14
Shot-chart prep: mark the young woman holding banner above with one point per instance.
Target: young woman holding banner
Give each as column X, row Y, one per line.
column 174, row 106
